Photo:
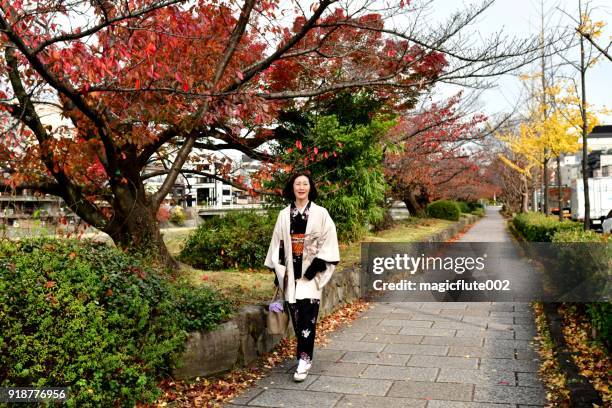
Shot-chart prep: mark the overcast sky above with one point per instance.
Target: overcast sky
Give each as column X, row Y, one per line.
column 522, row 18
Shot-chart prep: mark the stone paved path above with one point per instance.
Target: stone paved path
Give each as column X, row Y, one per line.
column 434, row 355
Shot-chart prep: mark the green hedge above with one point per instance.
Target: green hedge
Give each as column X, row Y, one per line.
column 537, row 227
column 89, row 317
column 444, row 209
column 464, row 207
column 240, row 239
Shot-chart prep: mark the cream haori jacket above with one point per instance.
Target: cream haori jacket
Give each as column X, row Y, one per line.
column 320, row 241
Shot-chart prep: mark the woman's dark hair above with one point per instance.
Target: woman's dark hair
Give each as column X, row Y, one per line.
column 288, row 190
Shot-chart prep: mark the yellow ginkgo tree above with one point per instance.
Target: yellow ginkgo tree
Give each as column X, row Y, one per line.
column 551, row 128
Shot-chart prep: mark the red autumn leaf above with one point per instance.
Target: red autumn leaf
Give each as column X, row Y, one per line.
column 49, row 284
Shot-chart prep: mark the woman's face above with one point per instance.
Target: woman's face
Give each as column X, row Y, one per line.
column 301, row 188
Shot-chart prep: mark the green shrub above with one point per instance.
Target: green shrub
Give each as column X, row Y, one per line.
column 480, row 212
column 537, row 227
column 89, row 317
column 464, row 207
column 444, row 209
column 240, row 239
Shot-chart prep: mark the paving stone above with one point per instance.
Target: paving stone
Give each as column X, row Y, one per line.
column 347, row 336
column 516, row 395
column 453, row 341
column 430, row 390
column 501, row 364
column 392, row 338
column 456, row 404
column 381, row 308
column 459, row 351
column 401, row 373
column 415, row 331
column 502, row 307
column 527, row 355
column 295, row 398
column 511, row 313
column 499, row 326
column 524, row 334
column 458, row 325
column 285, row 380
column 373, row 329
column 445, row 306
column 452, row 312
column 376, row 358
column 454, row 375
column 524, row 320
column 529, row 380
column 375, row 315
column 443, row 362
column 247, row 395
column 419, row 349
column 327, row 354
column 365, row 322
column 356, row 401
column 406, row 323
column 401, row 314
column 362, row 386
column 337, row 369
column 488, row 319
column 354, row 346
column 518, row 344
column 495, row 334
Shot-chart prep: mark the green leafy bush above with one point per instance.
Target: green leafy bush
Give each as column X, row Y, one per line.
column 537, row 227
column 444, row 209
column 480, row 212
column 240, row 239
column 88, row 316
column 464, row 207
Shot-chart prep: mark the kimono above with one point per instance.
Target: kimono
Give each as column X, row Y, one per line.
column 320, row 241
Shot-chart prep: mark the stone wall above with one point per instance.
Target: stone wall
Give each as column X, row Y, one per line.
column 244, row 338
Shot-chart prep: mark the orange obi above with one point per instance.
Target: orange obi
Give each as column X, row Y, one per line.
column 297, row 244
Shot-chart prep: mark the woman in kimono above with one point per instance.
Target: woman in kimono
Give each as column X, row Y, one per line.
column 303, row 254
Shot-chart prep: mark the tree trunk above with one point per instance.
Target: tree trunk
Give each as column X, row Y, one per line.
column 525, row 195
column 413, row 205
column 584, row 129
column 559, row 188
column 138, row 232
column 545, row 179
column 134, row 226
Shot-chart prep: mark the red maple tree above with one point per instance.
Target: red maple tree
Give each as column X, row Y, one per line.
column 436, row 157
column 155, row 81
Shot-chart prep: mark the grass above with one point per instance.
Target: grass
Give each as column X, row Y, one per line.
column 244, row 287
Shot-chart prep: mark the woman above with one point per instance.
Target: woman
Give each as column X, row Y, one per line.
column 303, row 253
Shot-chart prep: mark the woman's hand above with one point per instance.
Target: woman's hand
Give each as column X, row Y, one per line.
column 317, row 265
